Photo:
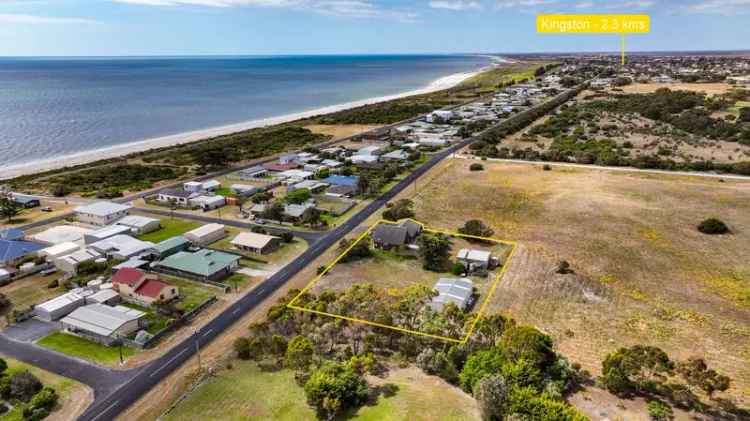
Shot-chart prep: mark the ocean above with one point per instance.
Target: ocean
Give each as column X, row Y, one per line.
column 54, row 107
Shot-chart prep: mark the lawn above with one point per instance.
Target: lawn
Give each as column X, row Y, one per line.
column 248, row 393
column 71, row 393
column 192, row 293
column 170, row 228
column 643, row 274
column 82, row 348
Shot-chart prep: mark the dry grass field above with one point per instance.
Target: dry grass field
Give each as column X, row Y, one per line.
column 341, row 130
column 643, row 273
column 707, row 88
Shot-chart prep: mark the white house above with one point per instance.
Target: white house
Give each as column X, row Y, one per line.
column 208, row 202
column 106, row 232
column 102, row 213
column 103, row 322
column 59, row 250
column 122, row 247
column 475, row 259
column 62, row 305
column 140, row 225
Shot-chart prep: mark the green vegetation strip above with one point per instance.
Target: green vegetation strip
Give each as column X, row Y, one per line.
column 82, row 348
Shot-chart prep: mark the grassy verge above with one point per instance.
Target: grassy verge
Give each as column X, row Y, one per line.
column 192, row 293
column 82, row 348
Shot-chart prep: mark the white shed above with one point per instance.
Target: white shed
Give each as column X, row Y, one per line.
column 206, row 234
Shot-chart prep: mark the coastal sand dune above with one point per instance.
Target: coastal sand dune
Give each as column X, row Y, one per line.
column 9, row 171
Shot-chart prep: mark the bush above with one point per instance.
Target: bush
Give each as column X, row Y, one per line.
column 659, row 411
column 458, row 269
column 547, row 167
column 24, row 385
column 242, row 348
column 335, row 387
column 713, row 226
column 528, row 343
column 476, row 167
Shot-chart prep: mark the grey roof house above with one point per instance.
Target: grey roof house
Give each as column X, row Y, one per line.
column 458, row 291
column 389, row 235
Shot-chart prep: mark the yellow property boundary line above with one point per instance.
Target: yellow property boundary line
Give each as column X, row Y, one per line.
column 482, row 308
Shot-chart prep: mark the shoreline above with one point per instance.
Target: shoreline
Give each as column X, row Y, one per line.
column 84, row 157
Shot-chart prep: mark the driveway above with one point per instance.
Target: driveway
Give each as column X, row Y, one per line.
column 30, row 330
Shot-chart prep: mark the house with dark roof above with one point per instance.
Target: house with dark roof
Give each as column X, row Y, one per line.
column 27, row 202
column 387, row 236
column 139, row 287
column 176, row 197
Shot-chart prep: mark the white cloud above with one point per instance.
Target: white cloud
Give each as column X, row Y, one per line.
column 507, row 4
column 719, row 7
column 349, row 8
column 455, row 5
column 15, row 18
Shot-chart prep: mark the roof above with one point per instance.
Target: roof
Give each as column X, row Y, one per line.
column 204, row 230
column 103, row 208
column 24, row 199
column 412, row 228
column 128, row 276
column 101, row 319
column 131, row 263
column 276, row 166
column 103, row 295
column 176, row 193
column 211, row 184
column 295, row 210
column 109, row 231
column 253, row 170
column 253, row 240
column 388, row 234
column 136, row 221
column 453, row 290
column 61, row 301
column 342, row 180
column 244, row 187
column 205, row 262
column 11, row 234
column 151, row 288
column 475, row 255
column 171, row 244
column 82, row 256
column 62, row 234
column 124, row 245
column 10, row 250
column 342, row 190
column 61, row 249
column 397, row 154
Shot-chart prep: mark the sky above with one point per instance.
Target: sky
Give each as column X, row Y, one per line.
column 248, row 27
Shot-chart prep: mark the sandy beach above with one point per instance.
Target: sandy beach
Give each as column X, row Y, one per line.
column 9, row 171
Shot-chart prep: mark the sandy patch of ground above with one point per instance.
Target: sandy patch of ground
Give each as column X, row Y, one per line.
column 341, row 130
column 708, row 88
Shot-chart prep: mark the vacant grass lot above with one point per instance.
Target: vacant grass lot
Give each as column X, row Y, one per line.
column 82, row 348
column 247, row 393
column 192, row 293
column 643, row 273
column 31, row 290
column 170, row 228
column 73, row 396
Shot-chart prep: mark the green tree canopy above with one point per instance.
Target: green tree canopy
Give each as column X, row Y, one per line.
column 335, row 387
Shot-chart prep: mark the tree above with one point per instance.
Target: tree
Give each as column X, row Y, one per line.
column 46, row 399
column 744, row 114
column 360, row 250
column 3, row 366
column 491, row 393
column 9, row 207
column 242, row 348
column 479, row 365
column 712, row 226
column 299, row 353
column 363, row 183
column 528, row 343
column 24, row 385
column 298, row 196
column 434, row 250
column 476, row 167
column 403, row 208
column 333, row 388
column 696, row 373
column 635, row 369
column 476, row 228
column 274, row 211
column 528, row 404
column 311, row 217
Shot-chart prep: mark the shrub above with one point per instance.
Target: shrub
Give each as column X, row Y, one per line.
column 24, row 385
column 458, row 269
column 659, row 411
column 480, row 365
column 528, row 343
column 333, row 388
column 547, row 167
column 242, row 348
column 476, row 167
column 476, row 228
column 713, row 226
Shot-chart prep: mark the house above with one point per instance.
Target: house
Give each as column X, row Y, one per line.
column 122, row 247
column 440, row 116
column 256, row 243
column 62, row 234
column 12, row 251
column 387, row 236
column 102, row 213
column 342, row 191
column 140, row 225
column 475, row 260
column 62, row 305
column 171, row 246
column 201, row 186
column 244, row 189
column 314, row 168
column 103, row 323
column 176, row 197
column 279, row 167
column 458, row 291
column 397, row 155
column 5, row 275
column 104, row 233
column 286, row 159
column 26, row 201
column 143, row 288
column 333, row 164
column 296, row 211
column 109, row 297
column 342, row 180
column 59, row 250
column 253, row 172
column 204, row 265
column 312, row 185
column 11, row 234
column 69, row 263
column 207, row 203
column 133, row 263
column 296, row 175
column 364, row 159
column 206, row 234
column 370, row 150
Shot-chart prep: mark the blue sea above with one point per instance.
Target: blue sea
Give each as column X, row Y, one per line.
column 52, row 107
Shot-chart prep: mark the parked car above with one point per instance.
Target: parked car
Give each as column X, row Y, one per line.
column 46, row 209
